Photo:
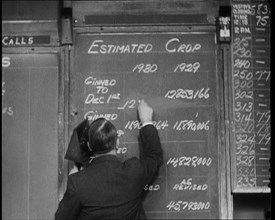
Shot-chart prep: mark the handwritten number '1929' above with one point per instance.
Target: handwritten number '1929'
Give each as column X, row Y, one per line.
column 187, row 67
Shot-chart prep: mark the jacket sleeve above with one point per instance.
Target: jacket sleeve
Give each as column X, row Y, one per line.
column 151, row 154
column 69, row 206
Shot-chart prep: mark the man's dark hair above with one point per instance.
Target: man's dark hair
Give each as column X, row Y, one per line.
column 102, row 136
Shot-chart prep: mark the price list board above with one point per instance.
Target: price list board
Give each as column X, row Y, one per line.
column 176, row 74
column 250, row 101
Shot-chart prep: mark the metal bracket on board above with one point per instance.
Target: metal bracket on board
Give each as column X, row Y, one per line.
column 66, row 26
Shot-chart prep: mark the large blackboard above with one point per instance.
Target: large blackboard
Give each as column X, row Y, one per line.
column 250, row 102
column 29, row 135
column 176, row 74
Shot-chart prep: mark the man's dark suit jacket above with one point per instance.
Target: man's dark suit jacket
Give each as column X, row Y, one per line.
column 110, row 189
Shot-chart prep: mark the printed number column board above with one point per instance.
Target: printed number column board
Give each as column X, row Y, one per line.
column 176, row 74
column 251, row 97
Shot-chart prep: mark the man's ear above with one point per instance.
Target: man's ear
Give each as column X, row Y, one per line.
column 88, row 145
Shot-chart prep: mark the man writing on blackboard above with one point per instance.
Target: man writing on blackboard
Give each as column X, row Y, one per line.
column 108, row 188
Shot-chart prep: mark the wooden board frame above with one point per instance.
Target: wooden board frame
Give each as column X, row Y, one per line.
column 230, row 98
column 224, row 194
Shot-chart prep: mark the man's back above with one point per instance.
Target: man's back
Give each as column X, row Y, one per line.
column 109, row 189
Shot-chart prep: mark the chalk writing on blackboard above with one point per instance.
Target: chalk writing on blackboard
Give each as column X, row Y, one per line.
column 187, row 184
column 25, row 40
column 176, row 74
column 6, row 62
column 6, row 110
column 185, row 205
column 251, row 100
column 173, row 45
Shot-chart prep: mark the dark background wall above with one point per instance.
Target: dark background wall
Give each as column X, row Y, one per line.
column 15, row 21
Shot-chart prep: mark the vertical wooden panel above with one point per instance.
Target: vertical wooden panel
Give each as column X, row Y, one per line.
column 15, row 142
column 29, row 131
column 43, row 157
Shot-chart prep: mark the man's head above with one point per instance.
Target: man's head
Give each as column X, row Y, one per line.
column 102, row 136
